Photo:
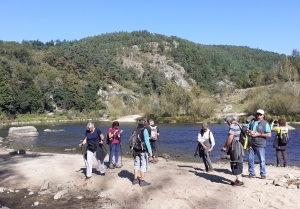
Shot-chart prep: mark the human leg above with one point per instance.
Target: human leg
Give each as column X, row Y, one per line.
column 284, row 158
column 251, row 162
column 143, row 170
column 111, row 155
column 136, row 170
column 278, row 153
column 261, row 153
column 117, row 150
column 100, row 165
column 237, row 170
column 89, row 159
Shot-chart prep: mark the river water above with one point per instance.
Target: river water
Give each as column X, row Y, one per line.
column 177, row 140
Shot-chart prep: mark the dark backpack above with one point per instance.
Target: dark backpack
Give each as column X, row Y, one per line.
column 136, row 141
column 283, row 135
column 243, row 139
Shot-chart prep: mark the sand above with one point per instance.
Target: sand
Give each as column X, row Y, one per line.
column 173, row 185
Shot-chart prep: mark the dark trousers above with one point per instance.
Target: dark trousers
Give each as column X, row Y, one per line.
column 284, row 155
column 153, row 145
column 206, row 159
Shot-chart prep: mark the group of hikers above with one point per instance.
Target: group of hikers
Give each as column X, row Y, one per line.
column 143, row 142
column 256, row 132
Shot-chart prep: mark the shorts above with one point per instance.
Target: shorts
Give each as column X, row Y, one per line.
column 141, row 162
column 236, row 168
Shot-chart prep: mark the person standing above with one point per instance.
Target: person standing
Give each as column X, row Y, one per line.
column 207, row 142
column 153, row 134
column 259, row 130
column 279, row 142
column 235, row 149
column 94, row 140
column 114, row 135
column 141, row 155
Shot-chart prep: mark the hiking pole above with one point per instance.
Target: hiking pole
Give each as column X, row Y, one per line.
column 83, row 157
column 121, row 154
column 196, row 150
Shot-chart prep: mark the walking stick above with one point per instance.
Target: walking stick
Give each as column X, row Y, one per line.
column 196, row 152
column 121, row 154
column 83, row 157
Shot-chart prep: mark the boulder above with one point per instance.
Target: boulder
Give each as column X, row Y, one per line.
column 24, row 131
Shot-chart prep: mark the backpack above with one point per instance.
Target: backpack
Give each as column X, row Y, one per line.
column 136, row 141
column 153, row 133
column 283, row 136
column 243, row 139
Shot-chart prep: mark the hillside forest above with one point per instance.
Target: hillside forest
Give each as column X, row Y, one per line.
column 166, row 78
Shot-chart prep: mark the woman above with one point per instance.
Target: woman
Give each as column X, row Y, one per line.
column 114, row 136
column 94, row 140
column 207, row 142
column 278, row 144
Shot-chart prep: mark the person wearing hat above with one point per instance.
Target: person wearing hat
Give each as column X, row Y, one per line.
column 259, row 131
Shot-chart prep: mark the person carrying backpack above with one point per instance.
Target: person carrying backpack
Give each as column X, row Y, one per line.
column 140, row 144
column 206, row 143
column 281, row 140
column 153, row 134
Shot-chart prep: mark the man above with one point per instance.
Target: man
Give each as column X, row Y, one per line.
column 141, row 155
column 153, row 134
column 235, row 149
column 259, row 130
column 207, row 142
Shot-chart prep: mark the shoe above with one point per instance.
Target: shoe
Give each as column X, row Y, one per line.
column 237, row 183
column 118, row 165
column 111, row 166
column 87, row 177
column 135, row 181
column 251, row 176
column 102, row 174
column 144, row 183
column 263, row 177
column 210, row 170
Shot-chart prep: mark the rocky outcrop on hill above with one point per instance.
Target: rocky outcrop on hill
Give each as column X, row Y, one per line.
column 24, row 131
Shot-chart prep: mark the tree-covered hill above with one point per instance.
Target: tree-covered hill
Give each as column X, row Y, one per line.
column 85, row 74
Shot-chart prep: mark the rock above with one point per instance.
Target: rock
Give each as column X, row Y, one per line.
column 227, row 108
column 289, row 176
column 2, row 189
column 80, row 197
column 24, row 131
column 60, row 193
column 292, row 186
column 45, row 185
column 165, row 156
column 22, row 152
column 13, row 152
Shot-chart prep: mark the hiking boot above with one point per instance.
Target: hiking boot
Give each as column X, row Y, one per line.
column 135, row 181
column 263, row 177
column 102, row 174
column 210, row 170
column 118, row 165
column 237, row 183
column 251, row 176
column 111, row 166
column 144, row 183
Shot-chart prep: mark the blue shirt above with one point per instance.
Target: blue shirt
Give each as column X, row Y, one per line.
column 93, row 139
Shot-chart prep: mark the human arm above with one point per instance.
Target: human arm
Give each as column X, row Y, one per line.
column 101, row 138
column 147, row 142
column 201, row 140
column 228, row 142
column 83, row 142
column 212, row 140
column 112, row 132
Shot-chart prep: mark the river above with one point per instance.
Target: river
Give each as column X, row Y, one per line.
column 177, row 140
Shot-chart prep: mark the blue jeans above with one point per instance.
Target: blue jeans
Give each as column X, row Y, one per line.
column 114, row 150
column 261, row 153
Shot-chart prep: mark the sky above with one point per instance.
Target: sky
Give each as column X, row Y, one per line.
column 270, row 25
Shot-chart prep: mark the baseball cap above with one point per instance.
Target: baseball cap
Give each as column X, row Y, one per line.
column 260, row 111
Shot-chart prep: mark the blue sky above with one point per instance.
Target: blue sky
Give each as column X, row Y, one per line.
column 271, row 25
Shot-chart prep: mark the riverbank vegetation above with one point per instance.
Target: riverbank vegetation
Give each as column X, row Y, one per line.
column 166, row 78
